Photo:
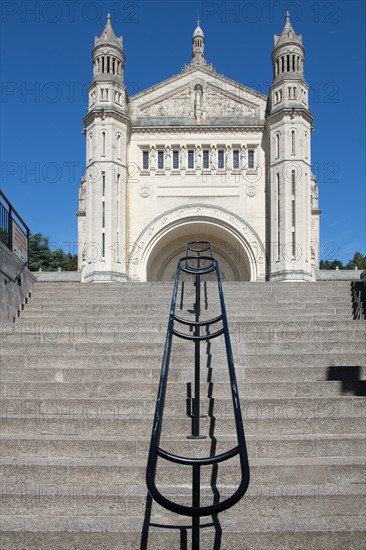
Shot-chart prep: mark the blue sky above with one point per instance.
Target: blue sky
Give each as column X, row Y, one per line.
column 46, row 68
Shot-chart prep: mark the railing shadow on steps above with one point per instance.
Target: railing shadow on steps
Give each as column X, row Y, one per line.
column 197, row 263
column 358, row 294
column 350, row 376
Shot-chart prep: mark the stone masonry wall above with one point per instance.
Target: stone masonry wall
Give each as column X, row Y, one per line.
column 12, row 295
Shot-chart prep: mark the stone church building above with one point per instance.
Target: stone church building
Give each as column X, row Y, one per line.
column 198, row 157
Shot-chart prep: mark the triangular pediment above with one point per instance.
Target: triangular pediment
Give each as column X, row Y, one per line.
column 198, row 95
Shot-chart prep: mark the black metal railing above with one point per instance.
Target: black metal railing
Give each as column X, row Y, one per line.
column 197, row 262
column 14, row 233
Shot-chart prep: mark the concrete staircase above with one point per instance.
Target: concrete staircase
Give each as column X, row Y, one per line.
column 79, row 376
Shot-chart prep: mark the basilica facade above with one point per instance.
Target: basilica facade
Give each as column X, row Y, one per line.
column 198, row 157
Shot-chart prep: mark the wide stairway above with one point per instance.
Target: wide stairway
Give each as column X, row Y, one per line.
column 79, row 377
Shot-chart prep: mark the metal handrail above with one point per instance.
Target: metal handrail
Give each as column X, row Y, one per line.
column 9, row 214
column 11, row 207
column 16, row 278
column 196, row 510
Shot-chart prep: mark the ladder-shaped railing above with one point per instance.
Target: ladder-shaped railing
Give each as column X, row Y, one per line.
column 197, row 263
column 358, row 294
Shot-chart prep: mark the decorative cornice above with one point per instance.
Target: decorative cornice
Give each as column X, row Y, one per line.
column 163, row 130
column 108, row 112
column 276, row 116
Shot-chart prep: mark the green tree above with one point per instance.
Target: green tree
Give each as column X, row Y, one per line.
column 326, row 264
column 39, row 252
column 358, row 260
column 41, row 257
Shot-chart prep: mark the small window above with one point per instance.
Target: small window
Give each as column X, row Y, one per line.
column 119, row 147
column 103, row 143
column 145, row 160
column 220, row 159
column 206, row 159
column 160, row 160
column 251, row 158
column 175, row 160
column 277, row 138
column 90, row 146
column 236, row 159
column 190, row 159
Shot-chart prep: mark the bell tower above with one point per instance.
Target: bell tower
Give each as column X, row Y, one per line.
column 107, row 131
column 289, row 126
column 198, row 48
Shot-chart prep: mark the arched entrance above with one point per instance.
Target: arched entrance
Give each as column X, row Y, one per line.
column 234, row 263
column 162, row 243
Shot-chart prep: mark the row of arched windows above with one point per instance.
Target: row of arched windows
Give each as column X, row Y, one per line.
column 288, row 63
column 105, row 96
column 103, row 142
column 291, row 93
column 107, row 64
column 293, row 143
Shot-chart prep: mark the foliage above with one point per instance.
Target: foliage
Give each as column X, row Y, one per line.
column 358, row 261
column 41, row 257
column 4, row 236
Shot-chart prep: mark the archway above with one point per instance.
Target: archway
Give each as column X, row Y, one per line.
column 234, row 262
column 235, row 244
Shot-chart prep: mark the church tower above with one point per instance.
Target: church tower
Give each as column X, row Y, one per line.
column 198, row 41
column 102, row 199
column 291, row 186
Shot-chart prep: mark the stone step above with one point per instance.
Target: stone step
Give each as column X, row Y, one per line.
column 262, row 407
column 147, row 306
column 140, row 361
column 237, row 323
column 189, row 294
column 119, row 320
column 92, row 410
column 120, row 446
column 313, row 470
column 249, row 374
column 136, row 347
column 229, row 286
column 114, row 532
column 133, row 332
column 285, row 419
column 60, row 390
column 273, row 500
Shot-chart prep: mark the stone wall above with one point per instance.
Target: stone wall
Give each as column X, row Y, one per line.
column 12, row 295
column 338, row 274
